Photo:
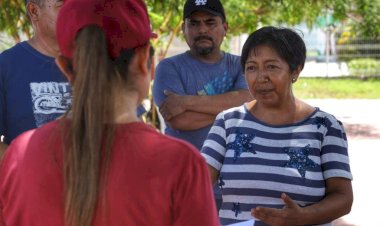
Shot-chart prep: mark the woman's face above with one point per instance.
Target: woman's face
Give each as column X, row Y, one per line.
column 268, row 76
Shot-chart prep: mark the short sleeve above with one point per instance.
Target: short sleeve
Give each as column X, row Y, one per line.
column 334, row 152
column 214, row 148
column 166, row 78
column 193, row 197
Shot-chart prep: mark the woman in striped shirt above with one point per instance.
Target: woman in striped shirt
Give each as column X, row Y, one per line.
column 276, row 158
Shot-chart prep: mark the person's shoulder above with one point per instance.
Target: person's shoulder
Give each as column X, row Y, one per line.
column 174, row 59
column 232, row 60
column 173, row 63
column 228, row 54
column 327, row 118
column 14, row 50
column 36, row 135
column 14, row 156
column 27, row 148
column 19, row 144
column 231, row 56
column 232, row 112
column 15, row 53
column 8, row 54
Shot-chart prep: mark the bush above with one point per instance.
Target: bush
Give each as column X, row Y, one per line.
column 364, row 67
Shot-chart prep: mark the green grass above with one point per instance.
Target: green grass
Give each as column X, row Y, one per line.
column 340, row 88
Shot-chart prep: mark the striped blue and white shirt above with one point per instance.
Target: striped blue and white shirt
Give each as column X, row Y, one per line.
column 257, row 162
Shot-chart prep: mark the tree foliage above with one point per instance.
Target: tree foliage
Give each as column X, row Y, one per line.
column 13, row 19
column 244, row 16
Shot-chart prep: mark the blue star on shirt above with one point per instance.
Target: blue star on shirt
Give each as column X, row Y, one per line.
column 299, row 159
column 319, row 121
column 242, row 143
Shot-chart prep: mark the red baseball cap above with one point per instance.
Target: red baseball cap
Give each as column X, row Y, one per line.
column 125, row 23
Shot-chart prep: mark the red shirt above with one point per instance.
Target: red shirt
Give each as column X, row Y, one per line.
column 153, row 180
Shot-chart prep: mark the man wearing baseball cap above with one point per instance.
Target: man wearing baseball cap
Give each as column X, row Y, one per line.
column 33, row 91
column 193, row 87
column 99, row 164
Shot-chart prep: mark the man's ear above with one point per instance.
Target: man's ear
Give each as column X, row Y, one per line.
column 64, row 65
column 183, row 27
column 225, row 26
column 33, row 10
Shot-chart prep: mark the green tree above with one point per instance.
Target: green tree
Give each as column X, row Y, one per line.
column 13, row 19
column 244, row 16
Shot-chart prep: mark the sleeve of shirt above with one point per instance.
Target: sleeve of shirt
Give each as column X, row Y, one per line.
column 166, row 78
column 334, row 153
column 194, row 203
column 215, row 146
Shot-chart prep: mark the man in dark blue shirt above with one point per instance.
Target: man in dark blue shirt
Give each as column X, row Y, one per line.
column 32, row 89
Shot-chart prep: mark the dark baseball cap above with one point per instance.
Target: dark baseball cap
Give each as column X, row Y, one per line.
column 214, row 7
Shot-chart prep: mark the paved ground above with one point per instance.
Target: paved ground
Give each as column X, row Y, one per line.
column 361, row 119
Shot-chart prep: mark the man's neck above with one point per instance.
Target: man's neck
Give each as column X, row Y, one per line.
column 209, row 58
column 43, row 46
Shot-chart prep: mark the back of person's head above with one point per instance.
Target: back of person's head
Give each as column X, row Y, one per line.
column 214, row 7
column 286, row 42
column 98, row 40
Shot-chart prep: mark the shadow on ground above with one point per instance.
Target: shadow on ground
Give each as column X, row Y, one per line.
column 362, row 131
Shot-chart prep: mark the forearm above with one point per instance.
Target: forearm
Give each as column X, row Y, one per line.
column 191, row 121
column 217, row 103
column 337, row 203
column 3, row 147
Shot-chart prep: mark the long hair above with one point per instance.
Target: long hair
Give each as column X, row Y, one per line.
column 90, row 133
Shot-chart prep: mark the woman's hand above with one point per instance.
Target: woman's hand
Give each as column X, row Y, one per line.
column 288, row 216
column 337, row 202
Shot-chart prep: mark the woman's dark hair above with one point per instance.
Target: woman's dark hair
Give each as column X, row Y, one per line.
column 286, row 42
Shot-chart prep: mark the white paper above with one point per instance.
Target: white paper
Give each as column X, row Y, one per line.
column 244, row 223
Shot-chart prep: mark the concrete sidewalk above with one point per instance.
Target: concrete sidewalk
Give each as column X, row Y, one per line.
column 361, row 119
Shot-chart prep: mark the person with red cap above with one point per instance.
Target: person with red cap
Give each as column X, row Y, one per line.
column 100, row 165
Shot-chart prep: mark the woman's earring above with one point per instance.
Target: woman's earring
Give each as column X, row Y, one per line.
column 294, row 80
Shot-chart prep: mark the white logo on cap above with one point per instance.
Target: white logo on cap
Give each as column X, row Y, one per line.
column 200, row 2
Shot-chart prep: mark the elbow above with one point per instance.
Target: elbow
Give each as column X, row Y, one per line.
column 349, row 201
column 348, row 206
